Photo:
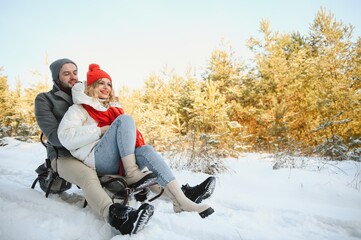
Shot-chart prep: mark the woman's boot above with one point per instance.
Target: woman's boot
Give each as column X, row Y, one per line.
column 182, row 203
column 133, row 175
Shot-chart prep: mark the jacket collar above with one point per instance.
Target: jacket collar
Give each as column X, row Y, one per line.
column 62, row 94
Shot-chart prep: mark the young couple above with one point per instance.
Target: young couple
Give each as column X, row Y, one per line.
column 96, row 131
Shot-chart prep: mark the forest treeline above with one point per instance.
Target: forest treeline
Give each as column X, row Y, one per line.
column 300, row 93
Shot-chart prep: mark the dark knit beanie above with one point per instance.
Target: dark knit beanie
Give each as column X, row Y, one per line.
column 56, row 66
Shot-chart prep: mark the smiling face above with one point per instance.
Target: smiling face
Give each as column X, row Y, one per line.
column 101, row 89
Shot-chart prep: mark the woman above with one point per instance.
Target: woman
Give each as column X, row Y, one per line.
column 96, row 131
column 83, row 126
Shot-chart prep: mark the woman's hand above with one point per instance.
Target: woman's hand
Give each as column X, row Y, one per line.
column 104, row 129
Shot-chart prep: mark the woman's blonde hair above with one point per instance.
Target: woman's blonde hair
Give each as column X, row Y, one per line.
column 90, row 91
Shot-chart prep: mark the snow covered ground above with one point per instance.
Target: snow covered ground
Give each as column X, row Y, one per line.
column 251, row 201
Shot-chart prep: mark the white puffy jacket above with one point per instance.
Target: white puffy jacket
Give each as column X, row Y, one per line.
column 78, row 131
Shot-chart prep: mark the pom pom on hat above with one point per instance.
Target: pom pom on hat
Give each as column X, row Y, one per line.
column 95, row 73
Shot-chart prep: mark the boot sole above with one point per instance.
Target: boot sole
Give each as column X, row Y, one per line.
column 146, row 181
column 146, row 211
column 206, row 212
column 209, row 191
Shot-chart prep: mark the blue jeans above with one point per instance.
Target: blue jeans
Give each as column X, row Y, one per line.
column 148, row 157
column 119, row 141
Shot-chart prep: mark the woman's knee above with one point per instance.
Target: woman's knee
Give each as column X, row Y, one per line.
column 144, row 150
column 125, row 118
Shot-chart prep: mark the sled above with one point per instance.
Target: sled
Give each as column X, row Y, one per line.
column 115, row 185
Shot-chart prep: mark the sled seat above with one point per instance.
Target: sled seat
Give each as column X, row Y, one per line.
column 118, row 189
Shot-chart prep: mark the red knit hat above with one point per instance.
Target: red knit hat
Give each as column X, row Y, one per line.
column 95, row 73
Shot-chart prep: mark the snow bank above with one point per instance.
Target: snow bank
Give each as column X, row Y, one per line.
column 251, row 200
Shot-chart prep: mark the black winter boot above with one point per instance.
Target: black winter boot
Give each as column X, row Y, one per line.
column 201, row 191
column 128, row 220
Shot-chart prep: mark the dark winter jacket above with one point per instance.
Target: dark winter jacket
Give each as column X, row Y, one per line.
column 50, row 108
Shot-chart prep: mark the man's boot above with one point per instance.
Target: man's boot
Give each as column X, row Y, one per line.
column 135, row 177
column 129, row 220
column 182, row 203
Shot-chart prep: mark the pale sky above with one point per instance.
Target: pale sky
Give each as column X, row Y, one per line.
column 133, row 39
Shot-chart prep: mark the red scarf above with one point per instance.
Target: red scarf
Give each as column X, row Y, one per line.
column 106, row 118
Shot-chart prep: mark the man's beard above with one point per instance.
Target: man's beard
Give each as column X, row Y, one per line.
column 64, row 87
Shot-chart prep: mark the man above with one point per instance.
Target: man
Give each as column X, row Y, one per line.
column 50, row 108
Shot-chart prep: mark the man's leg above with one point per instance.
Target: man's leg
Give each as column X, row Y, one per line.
column 76, row 172
column 126, row 219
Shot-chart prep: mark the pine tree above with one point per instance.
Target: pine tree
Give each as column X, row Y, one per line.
column 337, row 99
column 6, row 106
column 276, row 71
column 152, row 110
